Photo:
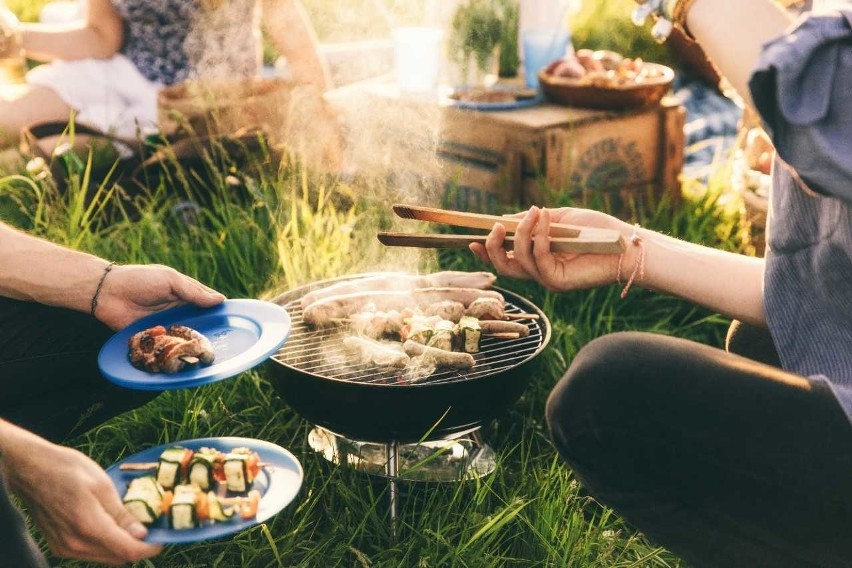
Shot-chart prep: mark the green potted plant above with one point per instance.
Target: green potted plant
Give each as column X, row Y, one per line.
column 510, row 60
column 475, row 34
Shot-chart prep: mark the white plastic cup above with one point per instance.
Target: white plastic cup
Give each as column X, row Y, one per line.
column 417, row 58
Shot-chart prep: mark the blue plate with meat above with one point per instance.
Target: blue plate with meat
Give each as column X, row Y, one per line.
column 190, row 346
column 206, row 488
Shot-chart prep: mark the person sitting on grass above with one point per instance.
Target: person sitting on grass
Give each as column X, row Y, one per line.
column 729, row 461
column 57, row 309
column 110, row 67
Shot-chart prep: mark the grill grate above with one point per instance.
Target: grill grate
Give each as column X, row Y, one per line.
column 321, row 352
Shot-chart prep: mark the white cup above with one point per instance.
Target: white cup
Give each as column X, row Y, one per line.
column 417, row 58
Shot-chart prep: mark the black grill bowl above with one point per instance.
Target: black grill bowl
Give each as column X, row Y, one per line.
column 337, row 396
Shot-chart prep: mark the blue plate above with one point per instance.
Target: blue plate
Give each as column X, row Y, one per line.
column 523, row 103
column 244, row 333
column 279, row 482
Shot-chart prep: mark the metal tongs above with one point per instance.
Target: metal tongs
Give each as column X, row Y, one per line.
column 563, row 238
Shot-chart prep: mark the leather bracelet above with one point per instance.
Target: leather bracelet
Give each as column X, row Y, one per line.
column 679, row 13
column 101, row 285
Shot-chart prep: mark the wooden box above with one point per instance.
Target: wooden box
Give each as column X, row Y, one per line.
column 544, row 154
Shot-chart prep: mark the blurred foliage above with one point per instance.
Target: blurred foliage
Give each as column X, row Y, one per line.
column 606, row 24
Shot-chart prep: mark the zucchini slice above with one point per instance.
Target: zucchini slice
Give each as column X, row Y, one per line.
column 171, row 467
column 237, row 476
column 144, row 499
column 201, row 468
column 217, row 512
column 470, row 334
column 182, row 513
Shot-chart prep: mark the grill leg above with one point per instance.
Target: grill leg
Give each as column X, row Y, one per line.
column 476, row 436
column 391, row 470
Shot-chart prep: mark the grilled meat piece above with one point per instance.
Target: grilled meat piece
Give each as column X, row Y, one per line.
column 158, row 350
column 206, row 348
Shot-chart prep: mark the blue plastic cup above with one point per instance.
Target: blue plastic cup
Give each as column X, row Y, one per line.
column 541, row 47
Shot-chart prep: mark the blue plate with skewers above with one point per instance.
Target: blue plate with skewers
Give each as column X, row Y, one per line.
column 278, row 482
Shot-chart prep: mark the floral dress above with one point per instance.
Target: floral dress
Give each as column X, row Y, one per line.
column 173, row 40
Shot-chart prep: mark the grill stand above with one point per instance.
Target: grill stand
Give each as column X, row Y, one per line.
column 392, row 471
column 464, row 456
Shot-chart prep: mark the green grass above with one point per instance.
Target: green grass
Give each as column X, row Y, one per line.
column 282, row 227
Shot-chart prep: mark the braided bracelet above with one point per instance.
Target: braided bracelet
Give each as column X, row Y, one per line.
column 638, row 273
column 666, row 15
column 100, row 285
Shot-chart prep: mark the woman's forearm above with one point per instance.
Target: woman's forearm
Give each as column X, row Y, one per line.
column 99, row 36
column 732, row 32
column 36, row 270
column 46, row 42
column 727, row 283
column 292, row 34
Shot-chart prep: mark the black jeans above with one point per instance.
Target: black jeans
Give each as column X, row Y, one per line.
column 49, row 378
column 725, row 461
column 50, row 385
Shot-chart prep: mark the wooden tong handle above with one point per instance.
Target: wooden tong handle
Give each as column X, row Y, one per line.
column 584, row 244
column 486, row 222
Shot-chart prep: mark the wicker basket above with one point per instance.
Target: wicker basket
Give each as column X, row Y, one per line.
column 576, row 92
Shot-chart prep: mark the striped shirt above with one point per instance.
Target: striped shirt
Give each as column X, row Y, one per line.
column 802, row 87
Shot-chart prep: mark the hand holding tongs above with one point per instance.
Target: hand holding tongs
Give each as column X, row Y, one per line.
column 563, row 238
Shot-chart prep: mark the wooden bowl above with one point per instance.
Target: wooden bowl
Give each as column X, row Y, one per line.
column 578, row 93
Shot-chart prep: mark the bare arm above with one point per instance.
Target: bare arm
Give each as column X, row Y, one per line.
column 78, row 510
column 732, row 33
column 724, row 282
column 291, row 32
column 35, row 270
column 99, row 36
column 728, row 283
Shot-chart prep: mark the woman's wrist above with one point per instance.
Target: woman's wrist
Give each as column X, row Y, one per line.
column 630, row 265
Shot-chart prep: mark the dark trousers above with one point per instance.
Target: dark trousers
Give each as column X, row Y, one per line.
column 49, row 378
column 726, row 461
column 50, row 385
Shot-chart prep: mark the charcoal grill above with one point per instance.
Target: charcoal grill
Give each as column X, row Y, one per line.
column 366, row 409
column 316, row 376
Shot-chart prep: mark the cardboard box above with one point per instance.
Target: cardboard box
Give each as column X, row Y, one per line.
column 544, row 154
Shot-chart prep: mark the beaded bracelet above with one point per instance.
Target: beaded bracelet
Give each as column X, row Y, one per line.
column 666, row 15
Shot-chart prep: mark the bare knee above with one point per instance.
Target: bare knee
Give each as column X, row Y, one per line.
column 609, row 375
column 24, row 104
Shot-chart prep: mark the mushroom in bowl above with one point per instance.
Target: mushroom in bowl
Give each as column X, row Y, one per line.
column 605, row 80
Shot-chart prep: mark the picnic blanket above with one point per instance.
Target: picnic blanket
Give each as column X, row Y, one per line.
column 711, row 125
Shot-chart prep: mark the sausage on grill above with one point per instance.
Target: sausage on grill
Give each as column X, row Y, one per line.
column 402, row 283
column 448, row 359
column 323, row 312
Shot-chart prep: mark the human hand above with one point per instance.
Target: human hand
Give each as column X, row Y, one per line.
column 10, row 35
column 533, row 260
column 73, row 502
column 134, row 291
